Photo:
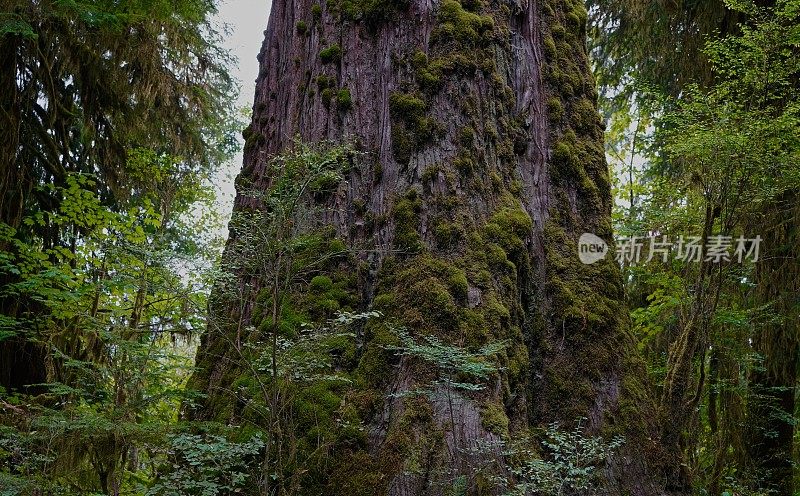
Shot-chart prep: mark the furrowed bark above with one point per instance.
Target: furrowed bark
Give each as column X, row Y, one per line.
column 483, row 160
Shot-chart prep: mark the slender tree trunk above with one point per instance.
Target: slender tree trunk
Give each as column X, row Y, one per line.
column 482, row 157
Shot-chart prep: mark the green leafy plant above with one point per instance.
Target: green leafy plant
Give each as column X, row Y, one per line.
column 566, row 461
column 206, row 465
column 458, row 368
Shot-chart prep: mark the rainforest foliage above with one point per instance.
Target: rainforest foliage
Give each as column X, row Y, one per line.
column 114, row 117
column 704, row 140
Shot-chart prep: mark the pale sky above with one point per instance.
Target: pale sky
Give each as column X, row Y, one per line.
column 247, row 20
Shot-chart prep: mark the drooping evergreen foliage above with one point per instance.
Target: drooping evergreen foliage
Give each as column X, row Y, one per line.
column 114, row 117
column 86, row 82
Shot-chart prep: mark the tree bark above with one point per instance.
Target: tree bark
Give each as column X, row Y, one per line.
column 482, row 156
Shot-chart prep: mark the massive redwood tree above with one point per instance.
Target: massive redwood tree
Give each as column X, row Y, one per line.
column 479, row 164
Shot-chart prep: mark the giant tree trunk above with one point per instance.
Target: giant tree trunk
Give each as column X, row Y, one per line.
column 483, row 157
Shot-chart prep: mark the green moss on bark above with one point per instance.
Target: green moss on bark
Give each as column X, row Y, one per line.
column 331, row 54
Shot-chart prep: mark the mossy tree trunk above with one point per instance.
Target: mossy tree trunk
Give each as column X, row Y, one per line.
column 482, row 164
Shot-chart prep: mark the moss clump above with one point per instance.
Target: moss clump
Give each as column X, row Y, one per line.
column 316, row 12
column 325, row 184
column 248, row 134
column 584, row 114
column 290, row 321
column 403, row 144
column 491, row 131
column 427, row 74
column 458, row 284
column 461, row 26
column 412, row 129
column 424, row 294
column 419, row 59
column 331, row 54
column 371, row 12
column 406, row 213
column 302, row 28
column 494, row 419
column 497, row 181
column 581, row 300
column 466, row 136
column 320, row 284
column 327, row 96
column 377, row 171
column 566, row 159
column 324, row 82
column 550, row 47
column 464, row 164
column 357, row 473
column 344, row 101
column 373, row 366
column 509, row 228
column 359, row 206
column 406, row 106
column 555, row 109
column 563, row 153
column 447, row 234
column 430, row 173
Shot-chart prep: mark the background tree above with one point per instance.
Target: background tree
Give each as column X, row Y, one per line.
column 83, row 84
column 719, row 157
